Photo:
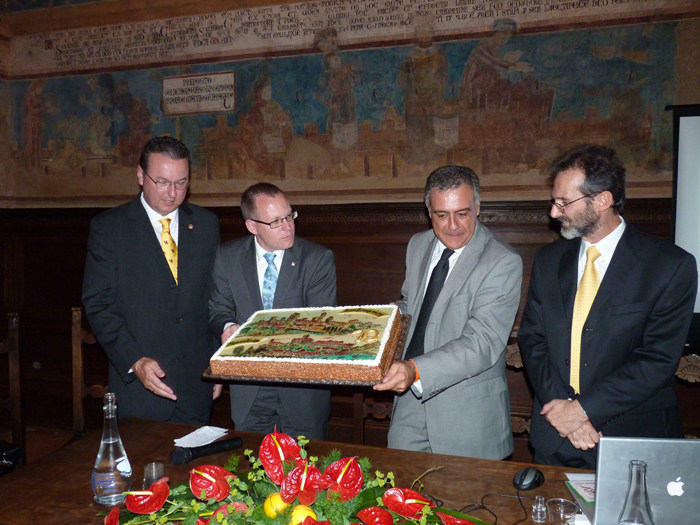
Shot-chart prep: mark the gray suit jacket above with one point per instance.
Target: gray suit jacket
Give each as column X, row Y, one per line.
column 306, row 279
column 136, row 310
column 462, row 373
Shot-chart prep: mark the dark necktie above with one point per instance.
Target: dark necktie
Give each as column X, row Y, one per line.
column 437, row 279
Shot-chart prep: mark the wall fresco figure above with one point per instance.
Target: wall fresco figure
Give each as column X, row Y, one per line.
column 267, row 131
column 33, row 113
column 423, row 74
column 335, row 91
column 100, row 105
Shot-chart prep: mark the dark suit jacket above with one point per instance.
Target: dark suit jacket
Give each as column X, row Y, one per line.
column 136, row 310
column 306, row 279
column 631, row 342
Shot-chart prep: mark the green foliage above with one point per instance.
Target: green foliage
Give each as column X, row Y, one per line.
column 232, row 463
column 332, row 457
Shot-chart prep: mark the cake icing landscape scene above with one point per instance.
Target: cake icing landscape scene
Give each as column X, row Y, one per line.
column 348, row 334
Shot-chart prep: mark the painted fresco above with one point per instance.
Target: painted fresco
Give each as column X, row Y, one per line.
column 364, row 125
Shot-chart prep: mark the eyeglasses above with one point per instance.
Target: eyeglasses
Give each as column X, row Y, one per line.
column 165, row 184
column 279, row 222
column 561, row 207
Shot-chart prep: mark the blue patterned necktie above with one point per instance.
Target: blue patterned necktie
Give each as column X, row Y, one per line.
column 269, row 281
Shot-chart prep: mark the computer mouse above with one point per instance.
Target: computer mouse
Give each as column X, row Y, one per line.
column 528, row 478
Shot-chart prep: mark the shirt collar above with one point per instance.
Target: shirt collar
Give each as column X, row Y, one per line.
column 607, row 245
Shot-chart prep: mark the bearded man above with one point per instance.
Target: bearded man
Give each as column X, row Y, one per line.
column 606, row 319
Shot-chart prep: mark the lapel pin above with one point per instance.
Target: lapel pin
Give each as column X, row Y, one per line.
column 190, row 226
column 294, row 264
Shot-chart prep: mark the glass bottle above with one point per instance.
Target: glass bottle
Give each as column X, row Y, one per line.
column 636, row 510
column 111, row 475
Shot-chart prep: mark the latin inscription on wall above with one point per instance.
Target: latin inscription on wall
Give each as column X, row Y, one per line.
column 251, row 32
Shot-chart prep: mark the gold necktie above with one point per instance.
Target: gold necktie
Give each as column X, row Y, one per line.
column 585, row 295
column 169, row 246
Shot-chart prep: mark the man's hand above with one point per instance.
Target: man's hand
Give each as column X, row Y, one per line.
column 150, row 375
column 217, row 390
column 228, row 332
column 400, row 376
column 585, row 437
column 564, row 415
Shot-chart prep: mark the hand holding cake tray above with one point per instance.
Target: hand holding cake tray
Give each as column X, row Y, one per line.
column 349, row 345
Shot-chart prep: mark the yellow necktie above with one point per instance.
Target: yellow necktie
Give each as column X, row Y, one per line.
column 585, row 295
column 169, row 247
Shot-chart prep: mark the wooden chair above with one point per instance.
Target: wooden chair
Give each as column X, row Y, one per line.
column 13, row 402
column 81, row 336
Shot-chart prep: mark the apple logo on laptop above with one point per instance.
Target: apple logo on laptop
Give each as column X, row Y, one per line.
column 675, row 488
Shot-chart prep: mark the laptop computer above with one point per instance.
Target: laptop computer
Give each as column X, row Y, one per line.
column 673, row 478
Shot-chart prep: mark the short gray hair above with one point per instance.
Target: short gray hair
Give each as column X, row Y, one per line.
column 451, row 178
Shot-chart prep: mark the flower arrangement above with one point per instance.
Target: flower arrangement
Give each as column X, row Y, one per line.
column 285, row 486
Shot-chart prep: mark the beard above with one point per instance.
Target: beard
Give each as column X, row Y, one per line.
column 584, row 225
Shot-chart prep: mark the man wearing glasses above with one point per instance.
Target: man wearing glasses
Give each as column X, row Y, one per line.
column 272, row 269
column 145, row 291
column 605, row 321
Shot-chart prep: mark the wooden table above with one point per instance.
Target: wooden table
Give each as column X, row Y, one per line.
column 56, row 489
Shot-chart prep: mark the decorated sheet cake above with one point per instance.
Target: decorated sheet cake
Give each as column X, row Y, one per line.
column 326, row 345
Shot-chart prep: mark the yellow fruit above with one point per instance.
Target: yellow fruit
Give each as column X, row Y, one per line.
column 300, row 513
column 274, row 505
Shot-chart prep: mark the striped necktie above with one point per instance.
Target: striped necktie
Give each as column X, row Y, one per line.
column 169, row 247
column 587, row 290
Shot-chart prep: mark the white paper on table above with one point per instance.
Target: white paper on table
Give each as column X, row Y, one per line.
column 201, row 436
column 581, row 519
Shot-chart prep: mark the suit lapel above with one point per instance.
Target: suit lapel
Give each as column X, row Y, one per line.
column 287, row 274
column 625, row 257
column 568, row 278
column 250, row 268
column 423, row 263
column 142, row 228
column 468, row 259
column 186, row 247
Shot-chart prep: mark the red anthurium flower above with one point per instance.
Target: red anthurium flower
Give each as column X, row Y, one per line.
column 113, row 517
column 302, row 482
column 275, row 449
column 375, row 516
column 147, row 501
column 237, row 507
column 310, row 521
column 406, row 502
column 212, row 479
column 447, row 519
column 344, row 477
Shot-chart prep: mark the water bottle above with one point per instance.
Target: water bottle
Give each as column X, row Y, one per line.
column 637, row 510
column 111, row 475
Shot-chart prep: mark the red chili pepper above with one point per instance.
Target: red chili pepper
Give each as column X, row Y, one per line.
column 302, row 482
column 343, row 477
column 375, row 516
column 148, row 501
column 237, row 507
column 406, row 502
column 448, row 519
column 113, row 517
column 212, row 479
column 275, row 449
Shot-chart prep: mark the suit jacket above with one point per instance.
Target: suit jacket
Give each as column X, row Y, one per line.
column 462, row 372
column 136, row 309
column 631, row 341
column 306, row 279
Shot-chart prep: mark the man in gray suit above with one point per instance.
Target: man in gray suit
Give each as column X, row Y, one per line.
column 272, row 269
column 454, row 364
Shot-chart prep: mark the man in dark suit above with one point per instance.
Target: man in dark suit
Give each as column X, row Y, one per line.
column 148, row 309
column 454, row 364
column 305, row 277
column 602, row 360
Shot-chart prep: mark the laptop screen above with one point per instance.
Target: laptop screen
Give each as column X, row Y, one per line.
column 673, row 478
